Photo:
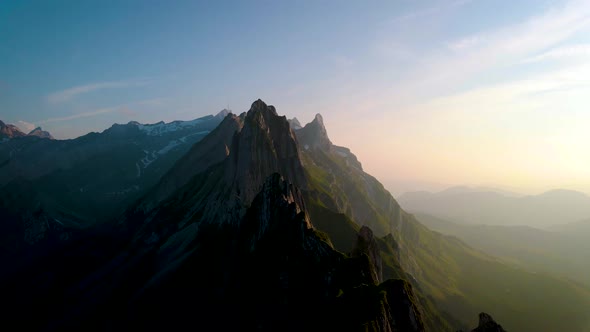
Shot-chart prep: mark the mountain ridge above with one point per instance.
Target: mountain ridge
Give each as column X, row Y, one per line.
column 266, row 242
column 268, row 223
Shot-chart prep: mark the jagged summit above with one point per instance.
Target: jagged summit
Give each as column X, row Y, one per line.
column 245, row 151
column 295, row 124
column 314, row 135
column 261, row 107
column 9, row 131
column 266, row 144
column 319, row 119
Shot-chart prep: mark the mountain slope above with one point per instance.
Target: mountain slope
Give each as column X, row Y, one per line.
column 461, row 280
column 51, row 189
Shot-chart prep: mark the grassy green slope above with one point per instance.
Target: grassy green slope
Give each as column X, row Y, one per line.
column 461, row 280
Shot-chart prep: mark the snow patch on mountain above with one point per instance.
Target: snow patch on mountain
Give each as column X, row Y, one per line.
column 161, row 128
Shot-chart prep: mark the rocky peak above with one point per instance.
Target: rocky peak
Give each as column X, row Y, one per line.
column 40, row 133
column 314, row 135
column 295, row 124
column 487, row 324
column 9, row 131
column 265, row 145
column 319, row 119
column 242, row 152
column 366, row 244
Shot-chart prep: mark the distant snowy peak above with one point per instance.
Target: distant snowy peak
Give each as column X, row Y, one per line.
column 161, row 128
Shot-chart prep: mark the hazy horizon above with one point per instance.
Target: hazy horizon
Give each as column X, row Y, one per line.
column 428, row 94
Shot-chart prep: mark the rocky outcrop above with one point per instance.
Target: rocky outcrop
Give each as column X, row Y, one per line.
column 40, row 133
column 8, row 131
column 295, row 124
column 265, row 145
column 226, row 174
column 402, row 305
column 367, row 245
column 487, row 324
column 279, row 205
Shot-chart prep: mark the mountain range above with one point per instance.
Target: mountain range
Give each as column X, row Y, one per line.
column 487, row 207
column 47, row 186
column 258, row 223
column 8, row 131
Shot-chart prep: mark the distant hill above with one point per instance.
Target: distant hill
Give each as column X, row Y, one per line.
column 566, row 253
column 578, row 229
column 554, row 207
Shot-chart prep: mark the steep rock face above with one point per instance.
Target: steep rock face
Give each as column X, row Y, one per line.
column 402, row 304
column 277, row 203
column 265, row 145
column 314, row 135
column 40, row 133
column 221, row 192
column 213, row 149
column 367, row 245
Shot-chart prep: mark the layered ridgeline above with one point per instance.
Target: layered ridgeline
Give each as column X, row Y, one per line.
column 563, row 251
column 459, row 279
column 483, row 206
column 50, row 189
column 224, row 241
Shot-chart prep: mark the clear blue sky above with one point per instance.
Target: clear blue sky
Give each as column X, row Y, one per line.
column 396, row 73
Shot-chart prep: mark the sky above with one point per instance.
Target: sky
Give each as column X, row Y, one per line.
column 428, row 94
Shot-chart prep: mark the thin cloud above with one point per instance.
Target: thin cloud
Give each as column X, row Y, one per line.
column 81, row 115
column 120, row 108
column 502, row 47
column 571, row 51
column 68, row 94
